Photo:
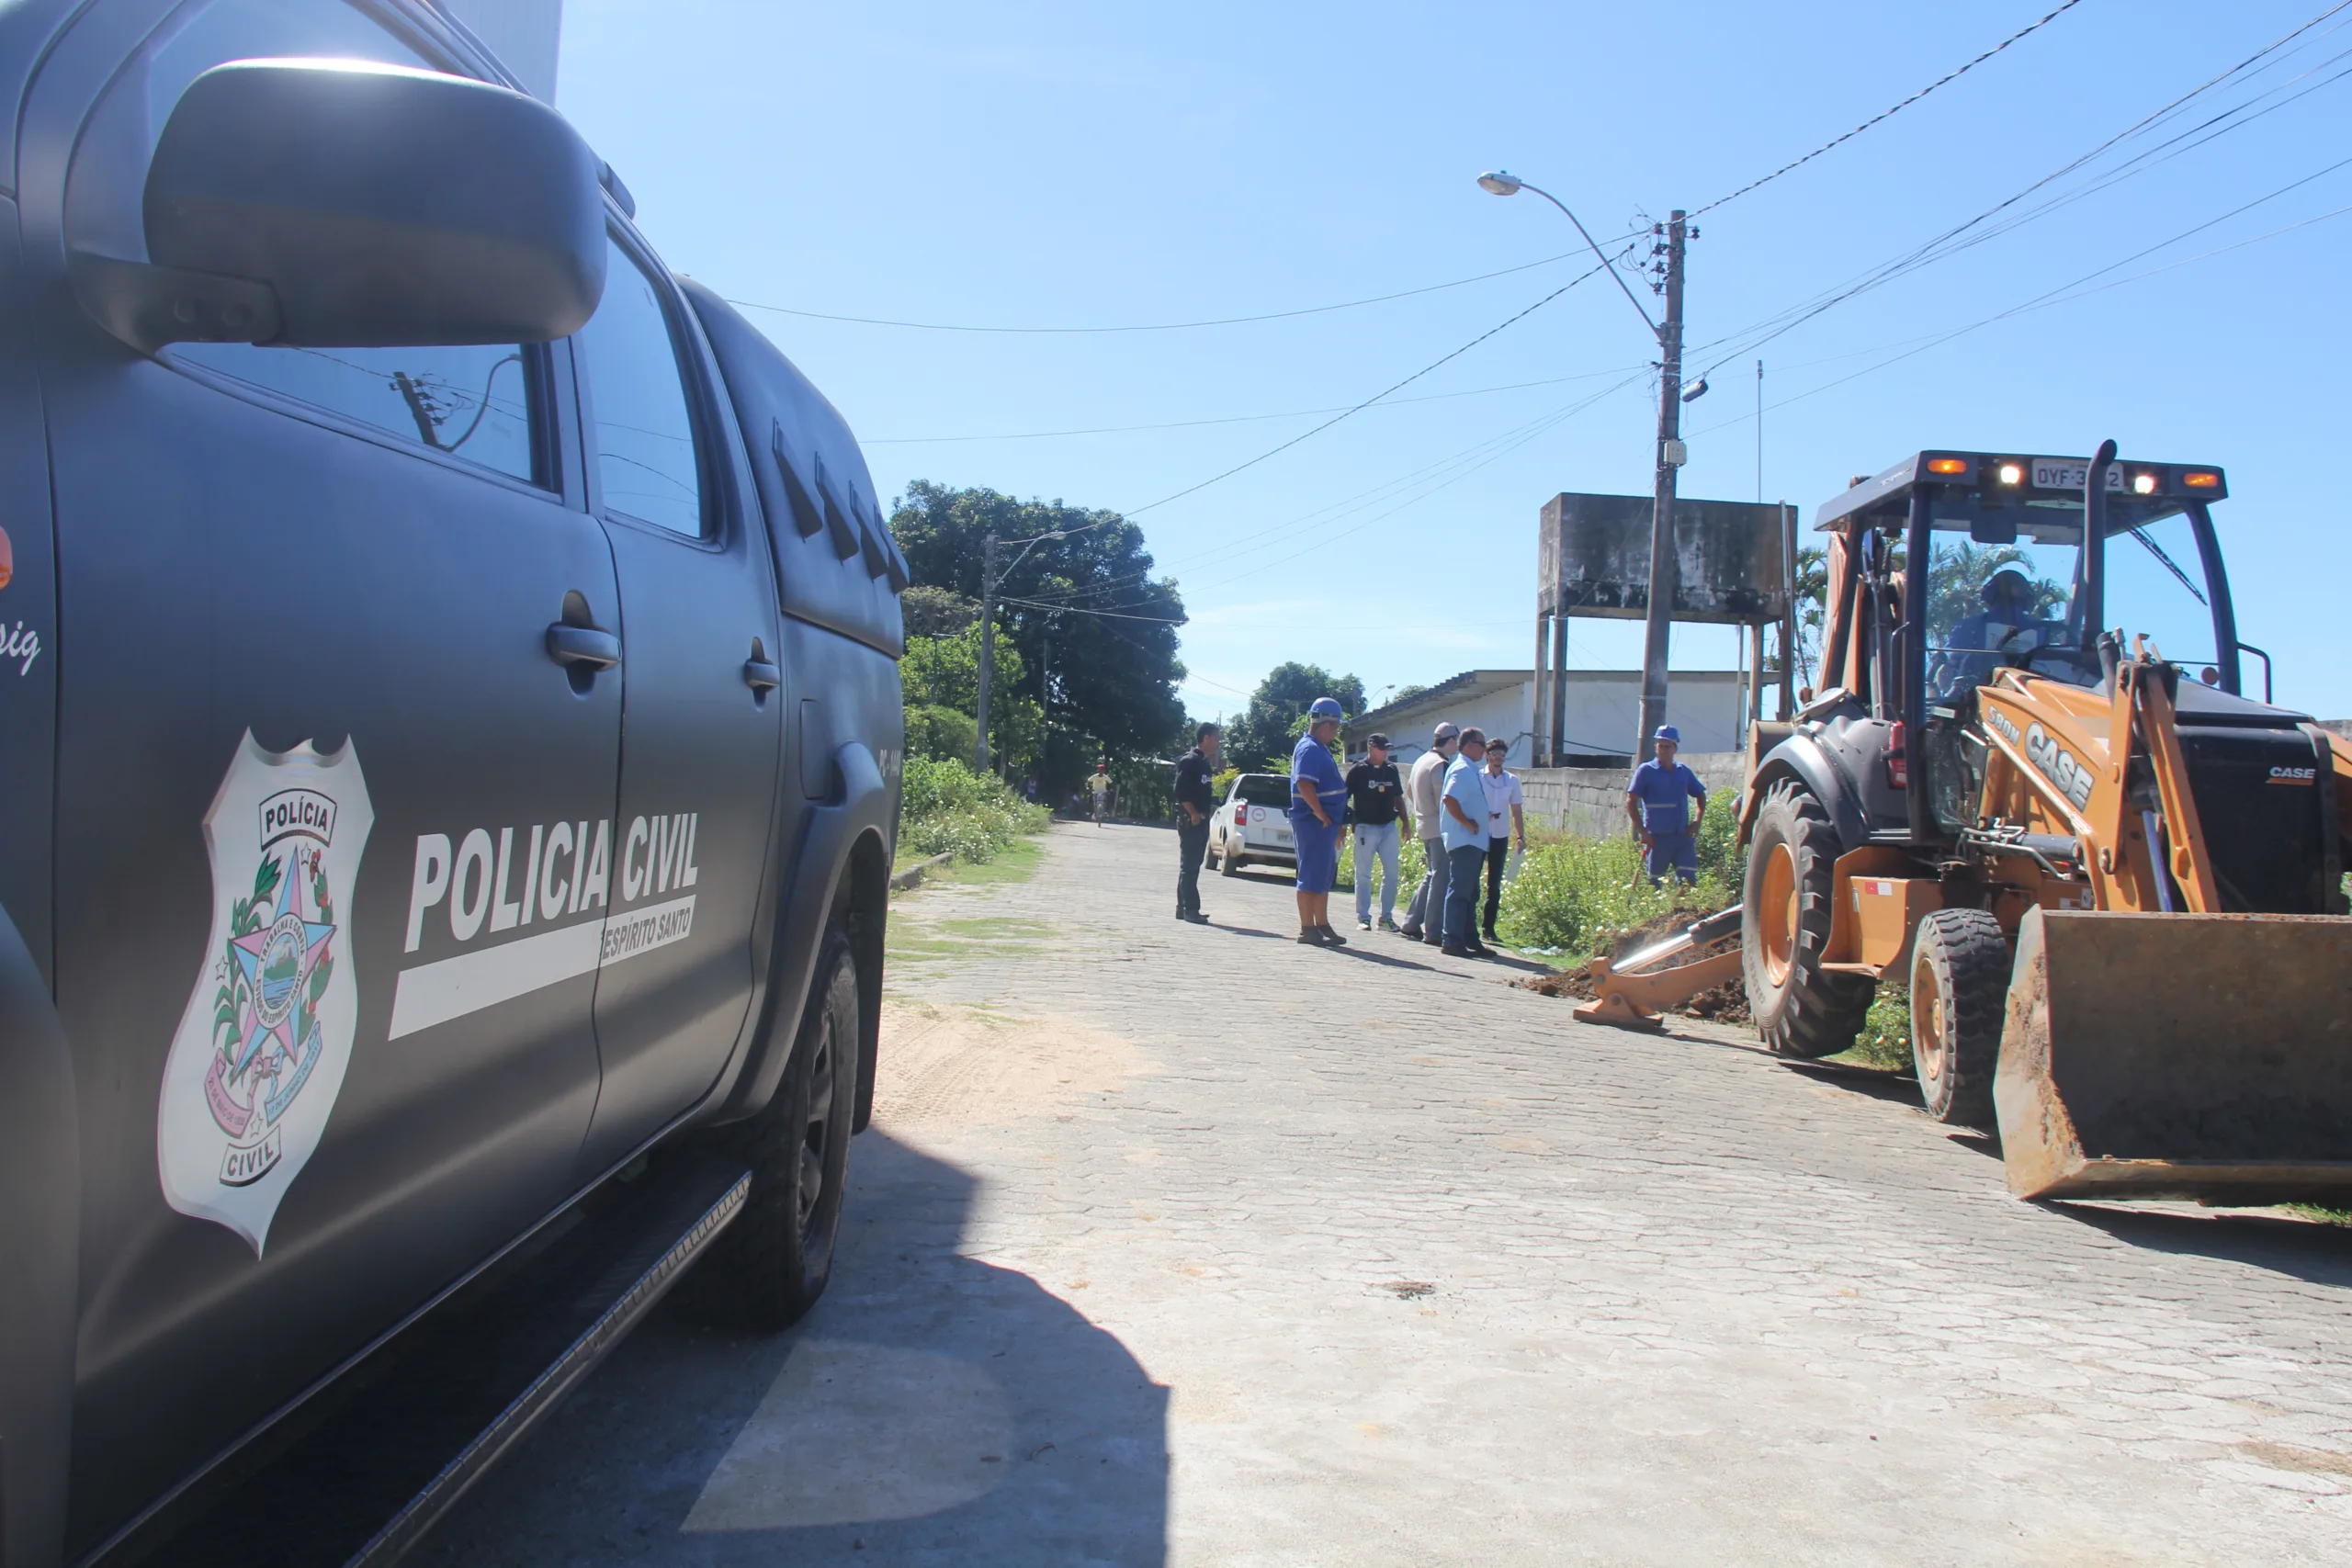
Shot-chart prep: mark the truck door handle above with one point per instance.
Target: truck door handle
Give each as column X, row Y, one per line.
column 583, row 646
column 761, row 675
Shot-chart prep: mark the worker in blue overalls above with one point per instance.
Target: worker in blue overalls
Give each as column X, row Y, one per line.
column 1666, row 802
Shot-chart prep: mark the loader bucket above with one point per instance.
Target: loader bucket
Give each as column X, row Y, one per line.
column 2178, row 1056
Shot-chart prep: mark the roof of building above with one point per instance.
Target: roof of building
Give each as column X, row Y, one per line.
column 1472, row 684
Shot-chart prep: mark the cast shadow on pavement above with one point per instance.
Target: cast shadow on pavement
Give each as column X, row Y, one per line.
column 2306, row 1249
column 932, row 1410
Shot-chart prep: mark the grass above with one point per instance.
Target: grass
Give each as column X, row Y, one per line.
column 1016, row 862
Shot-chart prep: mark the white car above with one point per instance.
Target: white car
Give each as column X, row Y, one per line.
column 1253, row 824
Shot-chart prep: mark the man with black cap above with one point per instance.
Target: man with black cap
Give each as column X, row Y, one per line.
column 1425, row 921
column 1375, row 800
column 1195, row 804
column 1655, row 801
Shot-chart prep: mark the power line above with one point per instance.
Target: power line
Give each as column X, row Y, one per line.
column 1163, row 326
column 1236, row 419
column 1303, row 436
column 1080, row 610
column 1750, row 338
column 1886, row 114
column 2061, row 295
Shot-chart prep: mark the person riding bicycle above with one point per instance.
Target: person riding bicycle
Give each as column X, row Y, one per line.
column 1101, row 785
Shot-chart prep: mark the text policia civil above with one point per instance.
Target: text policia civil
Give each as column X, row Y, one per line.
column 555, row 874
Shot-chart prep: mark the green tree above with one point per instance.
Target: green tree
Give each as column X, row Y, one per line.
column 944, row 673
column 1094, row 626
column 1265, row 735
column 937, row 612
column 1957, row 574
column 1813, row 606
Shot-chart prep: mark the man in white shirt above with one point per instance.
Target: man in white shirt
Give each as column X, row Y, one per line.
column 1465, row 802
column 1425, row 917
column 1506, row 824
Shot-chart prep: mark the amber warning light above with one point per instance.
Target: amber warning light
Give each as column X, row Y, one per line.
column 1947, row 465
column 2201, row 478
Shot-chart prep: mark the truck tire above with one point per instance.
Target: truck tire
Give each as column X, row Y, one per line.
column 1960, row 991
column 767, row 1268
column 1801, row 1011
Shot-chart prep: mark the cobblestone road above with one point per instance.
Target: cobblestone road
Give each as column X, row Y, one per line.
column 1191, row 1245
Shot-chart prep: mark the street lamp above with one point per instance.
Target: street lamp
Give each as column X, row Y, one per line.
column 991, row 579
column 1670, row 454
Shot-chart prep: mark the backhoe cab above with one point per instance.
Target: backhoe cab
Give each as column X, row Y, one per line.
column 2031, row 789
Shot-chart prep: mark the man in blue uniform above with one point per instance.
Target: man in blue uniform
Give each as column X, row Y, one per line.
column 1195, row 804
column 1980, row 643
column 1667, row 802
column 1318, row 809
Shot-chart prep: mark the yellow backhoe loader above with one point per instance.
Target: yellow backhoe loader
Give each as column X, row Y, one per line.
column 2111, row 882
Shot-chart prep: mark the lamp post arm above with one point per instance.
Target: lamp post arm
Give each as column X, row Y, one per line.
column 1630, row 297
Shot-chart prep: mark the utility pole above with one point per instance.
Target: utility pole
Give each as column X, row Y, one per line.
column 1659, row 625
column 988, row 639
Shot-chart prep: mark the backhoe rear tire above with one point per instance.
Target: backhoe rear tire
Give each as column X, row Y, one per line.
column 1789, row 897
column 1960, row 992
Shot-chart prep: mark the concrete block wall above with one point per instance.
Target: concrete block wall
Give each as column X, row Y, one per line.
column 1591, row 801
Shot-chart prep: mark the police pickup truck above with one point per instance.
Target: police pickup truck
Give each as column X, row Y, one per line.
column 449, row 749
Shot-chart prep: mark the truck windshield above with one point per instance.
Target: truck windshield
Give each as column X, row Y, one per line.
column 1998, row 597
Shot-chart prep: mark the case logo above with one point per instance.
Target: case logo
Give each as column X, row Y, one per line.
column 262, row 1047
column 2058, row 764
column 2294, row 775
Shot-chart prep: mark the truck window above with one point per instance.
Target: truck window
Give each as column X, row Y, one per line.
column 482, row 403
column 643, row 425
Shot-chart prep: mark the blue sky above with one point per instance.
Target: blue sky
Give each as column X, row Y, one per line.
column 1089, row 165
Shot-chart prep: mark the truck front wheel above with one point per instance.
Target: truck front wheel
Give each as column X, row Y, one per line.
column 1960, row 994
column 1801, row 1010
column 767, row 1268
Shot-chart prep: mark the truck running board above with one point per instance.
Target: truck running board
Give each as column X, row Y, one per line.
column 355, row 1476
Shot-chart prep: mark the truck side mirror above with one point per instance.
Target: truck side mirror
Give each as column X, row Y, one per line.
column 339, row 204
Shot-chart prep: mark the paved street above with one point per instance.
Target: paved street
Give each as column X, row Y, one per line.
column 1191, row 1245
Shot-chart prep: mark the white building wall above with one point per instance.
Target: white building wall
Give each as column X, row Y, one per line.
column 1604, row 710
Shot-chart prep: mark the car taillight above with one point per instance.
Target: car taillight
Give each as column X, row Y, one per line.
column 1898, row 762
column 1241, row 817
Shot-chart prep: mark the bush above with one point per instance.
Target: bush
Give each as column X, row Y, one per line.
column 1575, row 894
column 943, row 733
column 946, row 809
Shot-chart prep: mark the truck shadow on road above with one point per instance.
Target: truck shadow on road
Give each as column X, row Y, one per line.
column 932, row 1410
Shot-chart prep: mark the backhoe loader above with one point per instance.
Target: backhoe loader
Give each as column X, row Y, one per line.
column 2112, row 882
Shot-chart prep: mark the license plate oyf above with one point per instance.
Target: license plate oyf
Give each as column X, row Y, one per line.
column 2070, row 473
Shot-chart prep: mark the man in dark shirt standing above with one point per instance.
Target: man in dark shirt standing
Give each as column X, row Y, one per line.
column 1376, row 802
column 1195, row 804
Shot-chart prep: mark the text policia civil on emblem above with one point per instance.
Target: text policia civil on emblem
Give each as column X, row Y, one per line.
column 548, row 874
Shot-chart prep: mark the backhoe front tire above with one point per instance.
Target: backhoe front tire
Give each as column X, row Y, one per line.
column 1960, row 991
column 1789, row 897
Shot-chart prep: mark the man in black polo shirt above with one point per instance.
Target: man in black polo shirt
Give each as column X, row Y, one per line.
column 1195, row 804
column 1376, row 804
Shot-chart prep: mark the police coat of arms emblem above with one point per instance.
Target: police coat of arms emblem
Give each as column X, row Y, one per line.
column 261, row 1050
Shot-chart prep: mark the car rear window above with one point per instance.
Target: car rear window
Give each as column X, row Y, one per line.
column 1264, row 789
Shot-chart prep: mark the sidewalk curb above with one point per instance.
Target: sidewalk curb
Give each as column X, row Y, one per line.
column 910, row 876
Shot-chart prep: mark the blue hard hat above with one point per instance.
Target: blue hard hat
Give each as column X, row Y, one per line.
column 1667, row 732
column 1326, row 707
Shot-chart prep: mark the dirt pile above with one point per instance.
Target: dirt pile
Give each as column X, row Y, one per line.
column 1722, row 1004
